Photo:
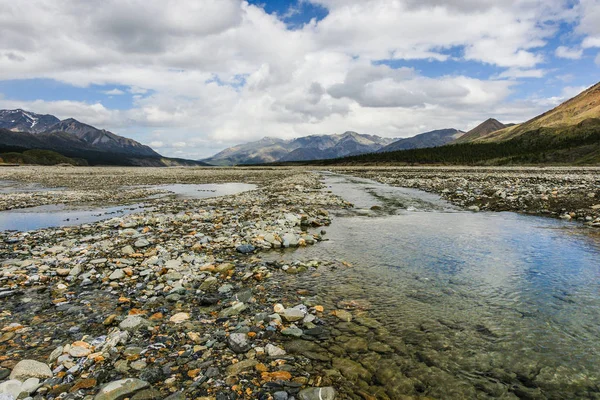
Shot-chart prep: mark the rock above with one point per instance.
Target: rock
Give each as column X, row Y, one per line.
column 343, row 315
column 141, row 243
column 351, row 369
column 4, row 373
column 317, row 393
column 30, row 385
column 79, row 350
column 133, row 323
column 235, row 309
column 292, row 314
column 147, row 394
column 274, row 351
column 245, row 248
column 152, row 375
column 355, row 345
column 26, row 369
column 238, row 342
column 473, row 208
column 121, row 389
column 179, row 318
column 127, row 250
column 11, row 388
column 238, row 368
column 116, row 275
column 209, row 283
column 292, row 331
column 290, row 240
column 280, row 396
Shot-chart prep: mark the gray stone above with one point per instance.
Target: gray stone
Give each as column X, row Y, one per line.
column 280, row 396
column 141, row 243
column 26, row 369
column 245, row 248
column 238, row 342
column 238, row 368
column 118, row 390
column 317, row 393
column 116, row 274
column 292, row 331
column 274, row 351
column 11, row 388
column 133, row 323
column 209, row 283
column 292, row 314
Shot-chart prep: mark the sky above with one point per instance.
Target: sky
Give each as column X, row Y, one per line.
column 192, row 77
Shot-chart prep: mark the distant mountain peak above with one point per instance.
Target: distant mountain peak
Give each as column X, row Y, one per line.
column 50, row 131
column 488, row 126
column 434, row 138
column 303, row 148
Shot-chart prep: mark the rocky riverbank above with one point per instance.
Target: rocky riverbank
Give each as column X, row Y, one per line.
column 175, row 302
column 567, row 193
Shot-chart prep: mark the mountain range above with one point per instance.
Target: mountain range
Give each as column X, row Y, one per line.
column 314, row 147
column 567, row 134
column 22, row 130
column 428, row 139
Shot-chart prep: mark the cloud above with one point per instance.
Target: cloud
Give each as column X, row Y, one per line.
column 565, row 52
column 114, row 92
column 157, row 144
column 207, row 74
column 597, row 59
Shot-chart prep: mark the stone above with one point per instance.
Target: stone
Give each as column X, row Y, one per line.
column 238, row 342
column 235, row 309
column 141, row 243
column 30, row 385
column 121, row 389
column 292, row 331
column 245, row 248
column 292, row 314
column 280, row 396
column 116, row 275
column 274, row 351
column 238, row 368
column 79, row 351
column 179, row 318
column 290, row 240
column 343, row 315
column 133, row 323
column 317, row 393
column 26, row 369
column 209, row 283
column 351, row 369
column 11, row 388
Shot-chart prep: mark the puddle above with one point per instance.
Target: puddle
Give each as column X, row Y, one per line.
column 58, row 215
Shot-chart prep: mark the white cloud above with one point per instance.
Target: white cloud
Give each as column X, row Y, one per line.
column 114, row 92
column 206, row 74
column 157, row 144
column 566, row 52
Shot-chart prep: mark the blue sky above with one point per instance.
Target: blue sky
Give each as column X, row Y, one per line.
column 193, row 77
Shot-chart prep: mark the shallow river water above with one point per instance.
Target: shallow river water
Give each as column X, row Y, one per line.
column 474, row 305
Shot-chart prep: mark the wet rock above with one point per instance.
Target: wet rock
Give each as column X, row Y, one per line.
column 26, row 369
column 351, row 369
column 292, row 314
column 245, row 248
column 343, row 315
column 118, row 390
column 179, row 318
column 317, row 393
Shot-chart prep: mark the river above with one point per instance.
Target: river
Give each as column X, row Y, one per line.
column 474, row 305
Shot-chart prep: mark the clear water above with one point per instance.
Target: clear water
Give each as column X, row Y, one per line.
column 58, row 215
column 495, row 304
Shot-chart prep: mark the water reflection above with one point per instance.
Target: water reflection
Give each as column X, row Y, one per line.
column 470, row 293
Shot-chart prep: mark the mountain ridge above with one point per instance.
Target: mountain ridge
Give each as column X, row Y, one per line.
column 433, row 138
column 268, row 150
column 22, row 130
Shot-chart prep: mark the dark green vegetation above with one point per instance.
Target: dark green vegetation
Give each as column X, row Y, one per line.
column 39, row 157
column 578, row 144
column 21, row 155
